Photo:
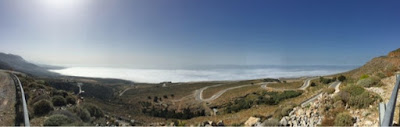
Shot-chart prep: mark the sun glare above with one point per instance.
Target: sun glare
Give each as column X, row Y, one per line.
column 62, row 4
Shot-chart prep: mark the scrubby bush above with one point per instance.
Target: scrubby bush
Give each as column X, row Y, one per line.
column 341, row 78
column 313, row 84
column 82, row 113
column 284, row 111
column 42, row 107
column 363, row 100
column 329, row 90
column 37, row 98
column 343, row 119
column 59, row 101
column 342, row 96
column 381, row 75
column 367, row 82
column 326, row 80
column 328, row 121
column 94, row 110
column 271, row 122
column 59, row 93
column 57, row 120
column 67, row 113
column 354, row 90
column 338, row 104
column 71, row 100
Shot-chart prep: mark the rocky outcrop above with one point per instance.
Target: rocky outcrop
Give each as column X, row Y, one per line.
column 395, row 53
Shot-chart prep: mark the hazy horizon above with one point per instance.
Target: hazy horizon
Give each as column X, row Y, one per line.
column 179, row 33
column 204, row 74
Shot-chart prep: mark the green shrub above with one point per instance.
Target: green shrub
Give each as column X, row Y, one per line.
column 343, row 119
column 313, row 84
column 364, row 76
column 58, row 101
column 325, row 80
column 57, row 120
column 342, row 96
column 381, row 75
column 59, row 92
column 329, row 90
column 363, row 100
column 284, row 111
column 271, row 122
column 354, row 90
column 82, row 113
column 94, row 110
column 70, row 100
column 42, row 107
column 341, row 78
column 367, row 82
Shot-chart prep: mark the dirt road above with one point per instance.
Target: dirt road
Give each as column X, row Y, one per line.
column 7, row 100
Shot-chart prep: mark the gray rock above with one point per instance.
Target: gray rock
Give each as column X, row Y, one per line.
column 284, row 121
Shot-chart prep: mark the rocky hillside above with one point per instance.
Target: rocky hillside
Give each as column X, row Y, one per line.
column 383, row 65
column 17, row 63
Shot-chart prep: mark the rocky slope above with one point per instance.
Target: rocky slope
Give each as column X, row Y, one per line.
column 383, row 65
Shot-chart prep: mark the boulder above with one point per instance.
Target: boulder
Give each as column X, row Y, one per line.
column 251, row 121
column 284, row 121
column 220, row 123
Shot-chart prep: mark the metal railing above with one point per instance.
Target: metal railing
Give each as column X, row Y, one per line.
column 24, row 106
column 389, row 109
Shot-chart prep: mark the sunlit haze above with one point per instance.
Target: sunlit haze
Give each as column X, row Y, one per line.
column 180, row 33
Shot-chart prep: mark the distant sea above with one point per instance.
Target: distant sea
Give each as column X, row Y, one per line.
column 215, row 73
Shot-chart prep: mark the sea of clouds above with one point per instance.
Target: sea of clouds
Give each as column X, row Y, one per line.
column 212, row 74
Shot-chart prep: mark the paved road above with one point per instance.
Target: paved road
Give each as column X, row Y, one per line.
column 7, row 99
column 199, row 93
column 122, row 93
column 332, row 85
column 305, row 85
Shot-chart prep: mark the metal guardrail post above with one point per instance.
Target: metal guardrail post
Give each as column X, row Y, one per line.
column 391, row 105
column 382, row 109
column 24, row 106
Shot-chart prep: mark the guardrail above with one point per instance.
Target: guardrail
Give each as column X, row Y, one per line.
column 389, row 109
column 24, row 107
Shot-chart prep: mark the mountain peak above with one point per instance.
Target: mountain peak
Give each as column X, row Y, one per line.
column 395, row 53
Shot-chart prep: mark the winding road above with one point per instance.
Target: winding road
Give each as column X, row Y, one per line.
column 305, row 85
column 198, row 94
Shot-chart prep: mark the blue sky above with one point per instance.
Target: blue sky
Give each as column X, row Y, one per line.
column 167, row 33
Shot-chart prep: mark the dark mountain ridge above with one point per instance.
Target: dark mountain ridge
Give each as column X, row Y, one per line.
column 17, row 63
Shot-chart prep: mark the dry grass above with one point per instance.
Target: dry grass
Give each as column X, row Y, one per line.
column 261, row 110
column 207, row 93
column 231, row 94
column 178, row 90
column 288, row 85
